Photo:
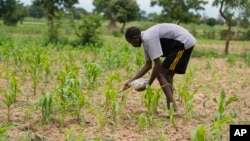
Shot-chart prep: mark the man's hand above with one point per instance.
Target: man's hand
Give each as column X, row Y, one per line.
column 126, row 85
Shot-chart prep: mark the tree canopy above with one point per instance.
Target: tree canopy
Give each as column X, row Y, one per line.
column 125, row 11
column 11, row 11
column 180, row 10
column 117, row 10
column 51, row 7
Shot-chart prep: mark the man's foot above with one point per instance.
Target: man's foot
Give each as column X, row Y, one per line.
column 178, row 113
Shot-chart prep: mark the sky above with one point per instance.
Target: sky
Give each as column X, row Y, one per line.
column 144, row 5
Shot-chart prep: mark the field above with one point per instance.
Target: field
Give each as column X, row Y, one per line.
column 57, row 92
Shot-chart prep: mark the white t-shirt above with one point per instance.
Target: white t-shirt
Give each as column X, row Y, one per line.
column 151, row 38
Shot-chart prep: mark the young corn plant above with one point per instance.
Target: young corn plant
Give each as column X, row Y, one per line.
column 18, row 55
column 10, row 94
column 188, row 99
column 101, row 116
column 46, row 102
column 76, row 95
column 188, row 78
column 223, row 103
column 199, row 134
column 113, row 104
column 151, row 99
column 112, row 59
column 62, row 103
column 6, row 50
column 218, row 128
column 116, row 110
column 139, row 59
column 111, row 97
column 221, row 118
column 66, row 78
column 171, row 116
column 91, row 71
column 35, row 68
column 144, row 121
column 47, row 68
column 3, row 129
column 231, row 60
column 208, row 62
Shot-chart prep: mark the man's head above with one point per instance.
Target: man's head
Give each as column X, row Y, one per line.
column 133, row 36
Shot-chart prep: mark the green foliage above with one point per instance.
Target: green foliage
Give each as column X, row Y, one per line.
column 171, row 116
column 117, row 10
column 35, row 11
column 245, row 23
column 52, row 8
column 151, row 100
column 103, row 7
column 199, row 134
column 91, row 71
column 3, row 129
column 46, row 102
column 211, row 21
column 246, row 35
column 231, row 59
column 10, row 94
column 209, row 34
column 77, row 12
column 12, row 11
column 125, row 11
column 36, row 59
column 180, row 10
column 223, row 103
column 116, row 33
column 88, row 30
column 144, row 121
column 246, row 57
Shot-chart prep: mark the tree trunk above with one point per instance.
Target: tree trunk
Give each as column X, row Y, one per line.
column 123, row 27
column 228, row 21
column 112, row 24
column 228, row 38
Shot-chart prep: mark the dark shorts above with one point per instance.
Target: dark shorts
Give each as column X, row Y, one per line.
column 176, row 56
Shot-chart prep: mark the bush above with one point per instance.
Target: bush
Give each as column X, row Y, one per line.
column 209, row 34
column 246, row 35
column 116, row 33
column 88, row 30
column 211, row 21
column 223, row 34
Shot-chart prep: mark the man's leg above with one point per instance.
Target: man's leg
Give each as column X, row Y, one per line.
column 167, row 87
column 170, row 76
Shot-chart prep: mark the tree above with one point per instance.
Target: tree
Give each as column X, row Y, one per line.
column 35, row 11
column 124, row 11
column 121, row 10
column 104, row 7
column 87, row 30
column 12, row 11
column 181, row 10
column 226, row 10
column 52, row 7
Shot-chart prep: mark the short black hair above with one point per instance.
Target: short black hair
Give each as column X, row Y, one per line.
column 132, row 32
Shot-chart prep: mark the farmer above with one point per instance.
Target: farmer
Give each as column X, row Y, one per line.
column 170, row 41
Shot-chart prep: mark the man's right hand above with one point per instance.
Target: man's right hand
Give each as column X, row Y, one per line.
column 126, row 85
